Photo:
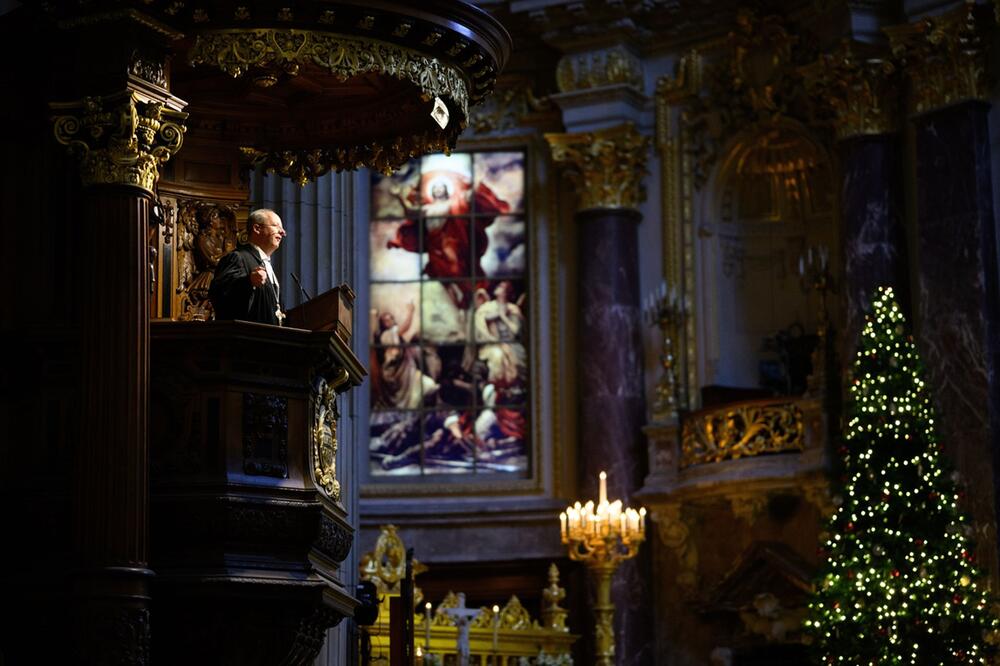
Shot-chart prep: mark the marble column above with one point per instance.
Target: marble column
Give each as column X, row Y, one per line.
column 120, row 140
column 608, row 166
column 873, row 236
column 959, row 299
column 861, row 86
column 958, row 296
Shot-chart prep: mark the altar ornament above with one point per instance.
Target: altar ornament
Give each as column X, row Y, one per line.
column 664, row 307
column 601, row 536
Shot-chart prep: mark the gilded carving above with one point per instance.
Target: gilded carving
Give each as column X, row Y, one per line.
column 324, row 449
column 554, row 615
column 147, row 69
column 757, row 79
column 675, row 534
column 237, row 52
column 606, row 165
column 862, row 91
column 506, row 108
column 206, row 232
column 676, row 163
column 595, row 69
column 743, row 430
column 945, row 57
column 769, row 619
column 748, row 506
column 118, row 139
column 386, row 565
column 305, row 165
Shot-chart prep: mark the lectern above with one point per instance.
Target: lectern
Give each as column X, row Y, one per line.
column 332, row 310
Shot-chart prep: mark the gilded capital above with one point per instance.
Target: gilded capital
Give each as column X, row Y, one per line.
column 607, row 165
column 862, row 91
column 118, row 139
column 945, row 57
column 594, row 69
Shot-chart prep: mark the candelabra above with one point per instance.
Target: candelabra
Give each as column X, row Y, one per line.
column 602, row 536
column 665, row 308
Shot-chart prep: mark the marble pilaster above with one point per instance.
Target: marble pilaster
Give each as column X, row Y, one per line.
column 959, row 300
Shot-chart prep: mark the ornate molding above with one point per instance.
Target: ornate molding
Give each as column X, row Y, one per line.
column 617, row 65
column 737, row 431
column 118, row 139
column 506, row 108
column 862, row 91
column 607, row 165
column 305, row 165
column 265, row 435
column 324, row 439
column 675, row 534
column 747, row 506
column 945, row 57
column 239, row 52
column 334, row 539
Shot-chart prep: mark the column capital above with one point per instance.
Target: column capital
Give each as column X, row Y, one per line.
column 861, row 88
column 120, row 139
column 945, row 56
column 606, row 165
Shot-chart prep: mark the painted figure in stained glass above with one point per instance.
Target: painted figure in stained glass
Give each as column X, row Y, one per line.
column 451, row 240
column 499, row 321
column 449, row 364
column 500, row 435
column 397, row 380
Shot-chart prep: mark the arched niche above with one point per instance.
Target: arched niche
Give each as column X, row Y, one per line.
column 769, row 201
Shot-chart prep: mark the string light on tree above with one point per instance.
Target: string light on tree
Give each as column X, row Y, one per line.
column 899, row 583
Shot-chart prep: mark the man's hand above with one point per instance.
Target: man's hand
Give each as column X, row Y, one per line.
column 258, row 276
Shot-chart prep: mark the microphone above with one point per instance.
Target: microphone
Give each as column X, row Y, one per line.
column 301, row 288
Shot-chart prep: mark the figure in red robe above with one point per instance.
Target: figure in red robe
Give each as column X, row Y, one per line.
column 449, row 235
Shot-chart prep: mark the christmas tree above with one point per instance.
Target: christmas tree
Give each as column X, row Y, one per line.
column 899, row 584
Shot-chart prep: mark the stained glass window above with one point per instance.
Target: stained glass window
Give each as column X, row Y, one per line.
column 449, row 291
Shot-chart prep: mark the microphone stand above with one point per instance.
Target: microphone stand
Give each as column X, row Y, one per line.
column 301, row 288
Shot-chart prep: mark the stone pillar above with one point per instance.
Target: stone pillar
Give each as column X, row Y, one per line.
column 862, row 88
column 120, row 141
column 959, row 296
column 607, row 167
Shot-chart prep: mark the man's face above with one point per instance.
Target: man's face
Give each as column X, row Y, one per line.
column 439, row 191
column 267, row 236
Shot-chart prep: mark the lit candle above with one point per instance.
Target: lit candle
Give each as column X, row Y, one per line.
column 562, row 525
column 642, row 520
column 496, row 626
column 604, row 487
column 427, row 625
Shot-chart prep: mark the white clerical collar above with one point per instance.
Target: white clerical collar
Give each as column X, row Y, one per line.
column 263, row 255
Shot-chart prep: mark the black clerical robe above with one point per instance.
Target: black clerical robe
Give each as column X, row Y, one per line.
column 232, row 295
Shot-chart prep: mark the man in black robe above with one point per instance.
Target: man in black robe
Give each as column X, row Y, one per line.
column 245, row 286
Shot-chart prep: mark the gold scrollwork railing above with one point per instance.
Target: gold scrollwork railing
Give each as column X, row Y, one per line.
column 742, row 430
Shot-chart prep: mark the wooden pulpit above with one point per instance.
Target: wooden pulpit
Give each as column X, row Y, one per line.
column 330, row 311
